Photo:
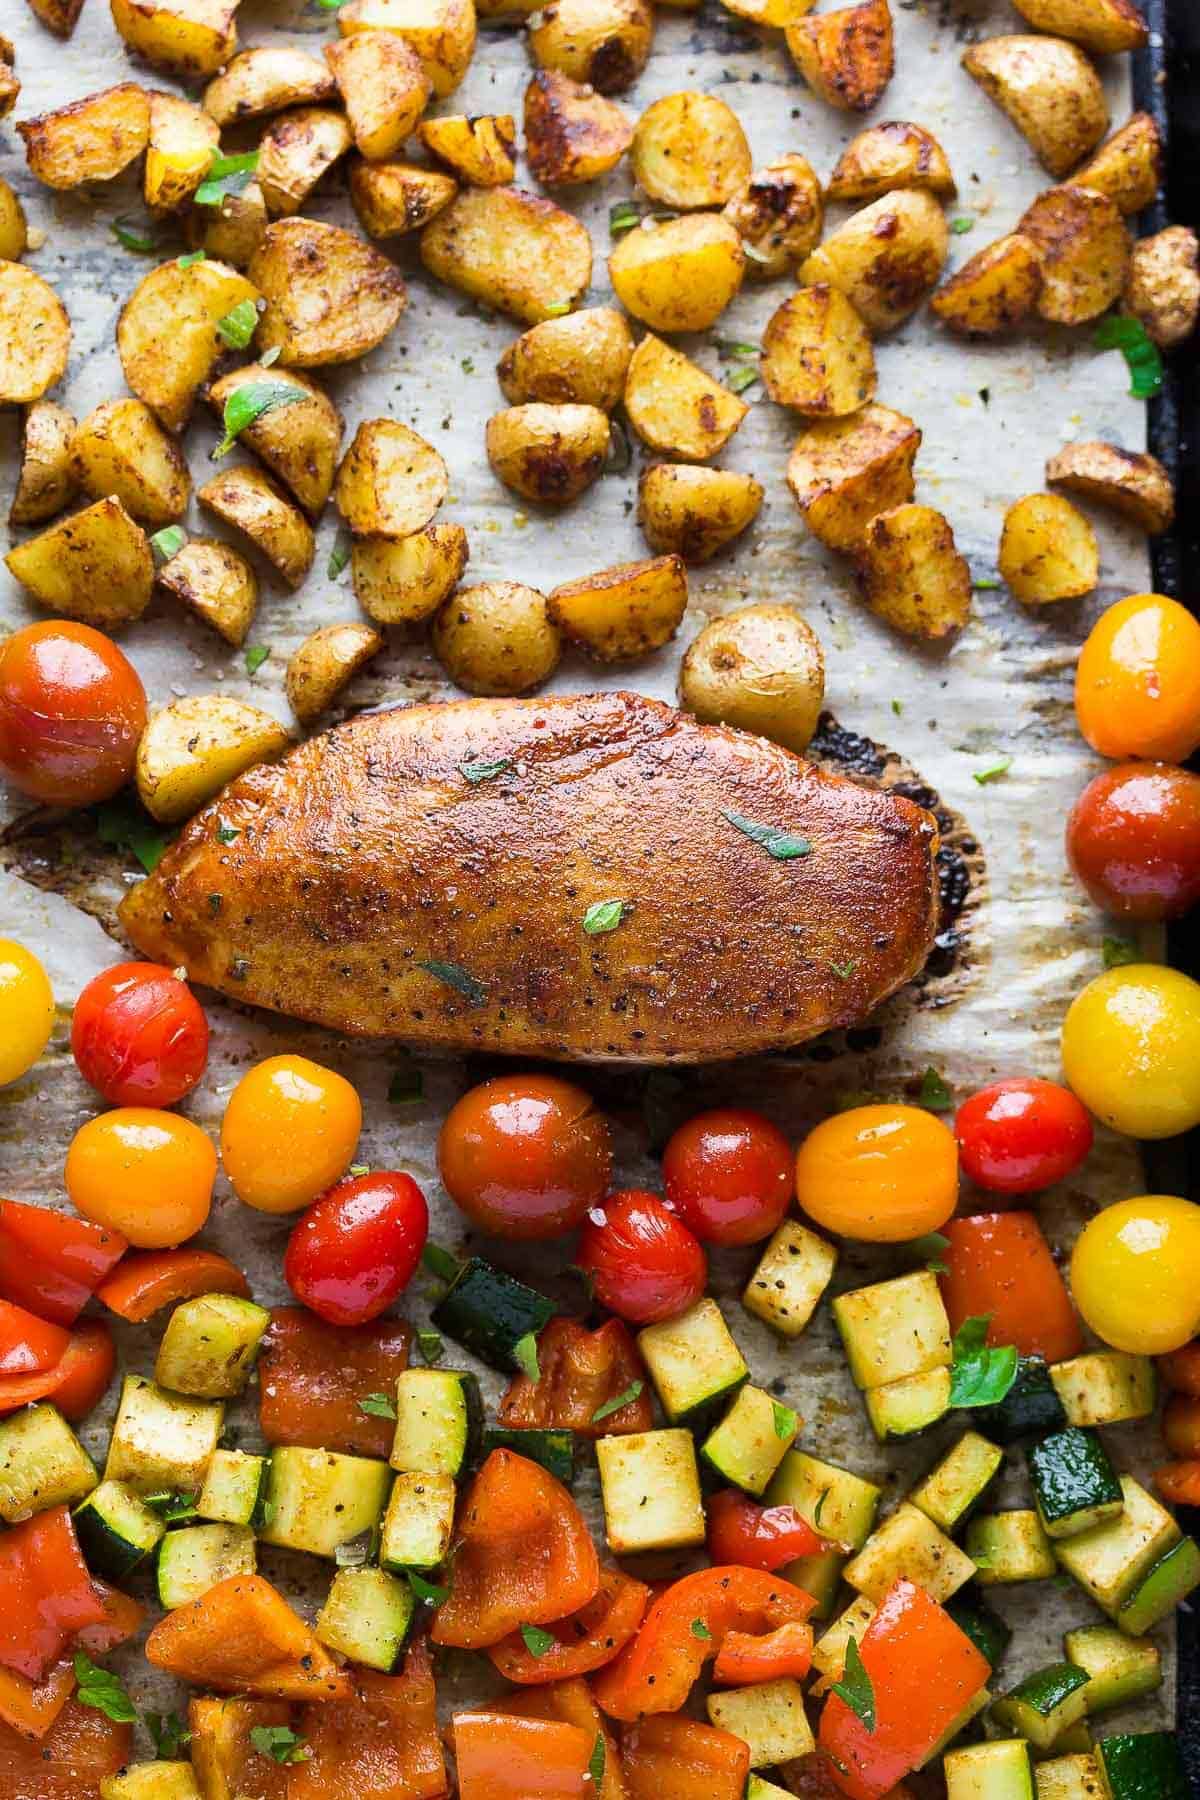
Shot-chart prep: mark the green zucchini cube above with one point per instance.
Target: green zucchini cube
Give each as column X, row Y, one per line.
column 1105, row 1387
column 767, row 1715
column 839, row 1505
column 909, row 1546
column 796, row 1268
column 990, row 1634
column 161, row 1441
column 1070, row 1778
column 977, row 1704
column 650, row 1486
column 419, row 1522
column 1118, row 1668
column 903, row 1408
column 1138, row 1765
column 1074, row 1482
column 829, row 1651
column 235, row 1488
column 955, row 1486
column 1045, row 1705
column 196, row 1558
column 115, row 1531
column 894, row 1329
column 693, row 1360
column 439, row 1417
column 752, row 1440
column 553, row 1450
column 489, row 1313
column 1008, row 1547
column 1000, row 1771
column 209, row 1346
column 1030, row 1408
column 1164, row 1586
column 1111, row 1560
column 151, row 1781
column 758, row 1789
column 367, row 1616
column 42, row 1463
column 318, row 1499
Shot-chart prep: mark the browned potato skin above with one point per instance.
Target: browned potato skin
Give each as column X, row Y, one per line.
column 1127, row 166
column 58, row 16
column 295, row 151
column 911, row 574
column 1103, row 26
column 96, row 567
column 1049, row 90
column 603, row 43
column 320, row 667
column 91, row 139
column 516, row 252
column 779, row 215
column 230, row 233
column 330, row 296
column 121, row 449
column 392, row 199
column 188, row 38
column 550, row 454
column 478, row 149
column 675, row 406
column 497, row 638
column 31, row 360
column 1048, row 550
column 1132, row 482
column 1163, row 285
column 14, row 229
column 693, row 512
column 817, row 355
column 896, row 154
column 624, row 612
column 384, row 86
column 245, row 497
column 581, row 359
column 214, row 581
column 997, row 289
column 391, row 481
column 572, row 134
column 300, row 444
column 847, row 57
column 400, row 581
column 886, row 258
column 842, row 472
column 10, row 90
column 1085, row 249
column 167, row 333
column 679, row 275
column 265, row 79
column 47, row 482
column 689, row 150
column 194, row 746
column 444, row 39
column 759, row 668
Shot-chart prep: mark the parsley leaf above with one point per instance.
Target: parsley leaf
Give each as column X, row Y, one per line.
column 935, row 1094
column 190, row 258
column 256, row 656
column 440, row 1262
column 819, row 1508
column 228, row 834
column 238, row 326
column 134, row 233
column 426, row 1591
column 339, row 556
column 482, row 768
column 622, row 218
column 227, row 175
column 378, row 1405
column 458, row 978
column 779, row 844
column 843, row 970
column 171, row 1507
column 961, row 226
column 169, row 541
column 597, row 1760
column 537, row 1641
column 980, row 1376
column 1142, row 359
column 1118, row 951
column 432, row 1349
column 700, row 1629
column 280, row 1743
column 740, row 378
column 525, row 1355
column 100, row 1689
column 168, row 1733
column 249, row 403
column 602, row 916
column 786, row 1422
column 855, row 1687
column 632, row 1392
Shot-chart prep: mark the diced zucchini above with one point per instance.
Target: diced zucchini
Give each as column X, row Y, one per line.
column 151, row 1781
column 1074, row 1482
column 752, row 1440
column 1162, row 1588
column 1119, row 1668
column 1076, row 1740
column 1009, row 1546
column 820, row 1577
column 796, row 1268
column 489, row 1313
column 955, row 1486
column 651, row 1490
column 978, row 1703
column 367, row 1617
column 439, row 1416
column 193, row 1560
column 758, row 1789
column 908, row 1545
column 1145, row 1766
column 419, row 1522
column 1030, row 1408
column 829, row 1651
column 1105, row 1387
column 693, row 1360
column 161, row 1441
column 209, row 1346
column 115, row 1531
column 1045, row 1704
column 990, row 1634
column 1069, row 1778
column 235, row 1488
column 903, row 1408
column 839, row 1505
column 894, row 1329
column 999, row 1771
column 318, row 1499
column 554, row 1450
column 767, row 1715
column 1111, row 1560
column 42, row 1463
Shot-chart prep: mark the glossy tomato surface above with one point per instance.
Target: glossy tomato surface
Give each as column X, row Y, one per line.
column 1022, row 1135
column 1135, row 1274
column 525, row 1156
column 357, row 1247
column 72, row 708
column 139, row 1035
column 884, row 1174
column 1131, row 1049
column 145, row 1173
column 729, row 1174
column 644, row 1263
column 26, row 1010
column 1133, row 840
column 1137, row 682
column 742, row 1531
column 289, row 1132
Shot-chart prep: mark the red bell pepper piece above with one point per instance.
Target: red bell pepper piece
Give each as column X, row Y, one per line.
column 28, row 1345
column 382, row 1744
column 76, row 1382
column 503, row 1758
column 47, row 1593
column 923, row 1671
column 680, row 1759
column 123, row 1617
column 1180, row 1369
column 31, row 1707
column 1000, row 1264
column 69, row 1762
column 53, row 1263
column 1179, row 1482
column 1181, row 1425
column 758, row 1537
column 243, row 1635
column 655, row 1673
column 744, row 1657
column 151, row 1279
column 311, row 1377
column 571, row 1702
column 523, row 1555
column 582, row 1371
column 587, row 1640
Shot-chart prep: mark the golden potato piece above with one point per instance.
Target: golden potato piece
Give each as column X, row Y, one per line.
column 624, row 612
column 96, row 567
column 121, row 449
column 231, row 232
column 550, row 454
column 91, row 139
column 167, row 333
column 392, row 199
column 479, row 150
column 391, row 481
column 844, row 471
column 693, row 512
column 442, row 32
column 35, row 335
column 1131, row 482
column 330, row 296
column 1127, row 166
column 1048, row 550
column 603, row 43
column 325, row 663
column 886, row 258
column 759, row 668
column 265, row 80
column 14, row 229
column 299, row 443
column 1104, row 26
column 194, row 747
column 779, row 13
column 245, row 497
column 817, row 354
column 516, row 252
column 689, row 150
column 182, row 143
column 214, row 581
column 385, row 88
column 188, row 38
column 680, row 274
column 1085, row 249
column 675, row 406
column 1049, row 90
column 911, row 574
column 896, row 154
column 295, row 151
column 572, row 134
column 58, row 16
column 10, row 88
column 778, row 214
column 1163, row 285
column 848, row 56
column 497, row 638
column 995, row 290
column 400, row 581
column 582, row 359
column 47, row 482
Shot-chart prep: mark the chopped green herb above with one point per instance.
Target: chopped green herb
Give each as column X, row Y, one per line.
column 961, row 226
column 227, row 175
column 980, row 1376
column 537, row 1641
column 855, row 1687
column 602, row 916
column 406, row 1086
column 779, row 844
column 228, row 834
column 339, row 556
column 785, row 1421
column 597, row 1760
column 256, row 656
column 700, row 1629
column 992, row 771
column 525, row 1355
column 558, row 310
column 136, row 234
column 430, row 1344
column 239, row 326
column 736, row 349
column 930, row 1250
column 623, row 217
column 427, row 1591
column 190, row 258
column 739, row 379
column 123, row 824
column 171, row 1506
column 99, row 1688
column 280, row 1743
column 378, row 1405
column 439, row 1262
column 168, row 1734
column 270, row 357
column 1118, row 951
column 168, row 542
column 983, row 584
column 483, row 768
column 249, row 403
column 897, row 707
column 631, row 1393
column 458, row 978
column 1142, row 359
column 355, row 1553
column 935, row 1094
column 843, row 970
column 468, row 365
column 819, row 1508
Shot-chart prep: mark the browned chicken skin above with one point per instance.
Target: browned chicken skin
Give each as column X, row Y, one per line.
column 374, row 888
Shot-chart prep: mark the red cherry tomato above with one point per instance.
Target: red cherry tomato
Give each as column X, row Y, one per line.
column 729, row 1174
column 1019, row 1136
column 644, row 1263
column 72, row 709
column 525, row 1156
column 757, row 1537
column 357, row 1247
column 140, row 1035
column 1133, row 840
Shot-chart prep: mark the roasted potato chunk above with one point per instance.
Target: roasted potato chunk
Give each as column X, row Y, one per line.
column 581, row 359
column 817, row 354
column 35, row 335
column 1049, row 90
column 497, row 638
column 679, row 275
column 759, row 668
column 693, row 512
column 96, row 567
column 10, row 88
column 894, row 155
column 91, row 139
column 167, row 332
column 1048, row 550
column 265, row 80
column 844, row 471
column 325, row 663
column 385, row 88
column 182, row 143
column 603, row 43
column 572, row 134
column 1163, row 285
column 1127, row 166
column 886, row 258
column 58, row 16
column 995, row 290
column 231, row 232
column 675, row 406
column 479, row 150
column 442, row 32
column 299, row 443
column 214, row 581
column 622, row 613
column 47, row 481
column 14, row 229
column 400, row 581
column 847, row 57
column 911, row 574
column 121, row 449
column 689, row 150
column 245, row 497
column 1131, row 482
column 188, row 38
column 330, row 296
column 392, row 199
column 516, row 252
column 779, row 13
column 194, row 747
column 295, row 151
column 1104, row 26
column 779, row 215
column 1085, row 251
column 391, row 481
column 550, row 454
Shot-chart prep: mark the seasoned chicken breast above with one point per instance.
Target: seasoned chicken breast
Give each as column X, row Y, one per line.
column 434, row 873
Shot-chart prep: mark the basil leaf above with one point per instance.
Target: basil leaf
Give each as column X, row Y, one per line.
column 191, row 258
column 525, row 1355
column 339, row 556
column 136, row 234
column 1118, row 951
column 378, row 1405
column 239, row 326
column 427, row 1591
column 930, row 1250
column 251, row 402
column 171, row 1507
column 980, row 1376
column 786, row 1422
column 479, row 768
column 458, row 978
column 168, row 542
column 99, row 1688
column 779, row 844
column 622, row 218
column 960, row 227
column 597, row 1760
column 700, row 1629
column 632, row 1392
column 993, row 770
column 935, row 1095
column 122, row 824
column 537, row 1641
column 168, row 1733
column 227, row 175
column 602, row 916
column 739, row 379
column 855, row 1687
column 439, row 1262
column 280, row 1743
column 228, row 834
column 1142, row 359
column 432, row 1349
column 405, row 1086
column 256, row 656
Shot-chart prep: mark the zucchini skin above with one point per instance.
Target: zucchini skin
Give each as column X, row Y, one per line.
column 1143, row 1766
column 990, row 1634
column 554, row 1450
column 489, row 1312
column 1031, row 1408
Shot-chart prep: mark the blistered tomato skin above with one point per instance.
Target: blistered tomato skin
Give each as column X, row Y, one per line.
column 525, row 1156
column 1135, row 1274
column 729, row 1175
column 1023, row 1135
column 289, row 1132
column 72, row 709
column 1133, row 840
column 139, row 1035
column 882, row 1174
column 357, row 1247
column 1137, row 683
column 1131, row 1049
column 644, row 1263
column 144, row 1173
column 26, row 1010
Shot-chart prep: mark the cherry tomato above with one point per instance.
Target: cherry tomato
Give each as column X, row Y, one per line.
column 1135, row 1274
column 357, row 1247
column 644, row 1263
column 1137, row 683
column 525, row 1156
column 140, row 1035
column 147, row 1174
column 1022, row 1135
column 1131, row 1049
column 883, row 1174
column 26, row 1010
column 1133, row 839
column 71, row 712
column 757, row 1537
column 729, row 1175
column 1181, row 1425
column 289, row 1131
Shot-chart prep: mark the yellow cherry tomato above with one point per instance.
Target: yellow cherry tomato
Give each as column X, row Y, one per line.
column 26, row 1010
column 289, row 1131
column 145, row 1173
column 1137, row 682
column 881, row 1173
column 1131, row 1049
column 1135, row 1274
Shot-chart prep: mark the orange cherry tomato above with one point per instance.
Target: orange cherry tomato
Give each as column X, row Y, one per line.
column 1137, row 684
column 883, row 1174
column 72, row 709
column 147, row 1174
column 289, row 1132
column 525, row 1156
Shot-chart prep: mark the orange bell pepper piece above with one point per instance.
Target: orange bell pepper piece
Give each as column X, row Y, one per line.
column 47, row 1593
column 672, row 1758
column 572, row 1703
column 222, row 1749
column 503, row 1758
column 1179, row 1482
column 123, row 1616
column 311, row 1377
column 383, row 1744
column 775, row 1654
column 52, row 1262
column 1000, row 1264
column 242, row 1634
column 151, row 1279
column 923, row 1671
column 69, row 1762
column 581, row 1372
column 587, row 1640
column 523, row 1555
column 32, row 1707
column 1180, row 1369
column 685, row 1627
column 75, row 1382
